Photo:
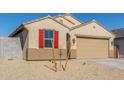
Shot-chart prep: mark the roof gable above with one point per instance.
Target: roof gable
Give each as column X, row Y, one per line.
column 68, row 20
column 72, row 19
column 47, row 17
column 65, row 22
column 22, row 26
column 92, row 28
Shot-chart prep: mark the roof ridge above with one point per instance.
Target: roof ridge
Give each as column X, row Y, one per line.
column 32, row 21
column 66, row 15
column 60, row 22
column 80, row 25
column 58, row 15
column 117, row 29
column 35, row 20
column 69, row 20
column 84, row 23
column 73, row 17
column 44, row 18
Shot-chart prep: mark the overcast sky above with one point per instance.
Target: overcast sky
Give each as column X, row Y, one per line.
column 10, row 21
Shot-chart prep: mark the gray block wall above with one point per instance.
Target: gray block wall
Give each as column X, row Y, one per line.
column 10, row 48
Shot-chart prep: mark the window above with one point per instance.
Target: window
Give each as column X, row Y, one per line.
column 48, row 38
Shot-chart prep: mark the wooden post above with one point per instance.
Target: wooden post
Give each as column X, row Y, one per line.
column 60, row 53
column 54, row 61
column 67, row 59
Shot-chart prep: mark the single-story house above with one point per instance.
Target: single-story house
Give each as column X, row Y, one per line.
column 84, row 40
column 119, row 42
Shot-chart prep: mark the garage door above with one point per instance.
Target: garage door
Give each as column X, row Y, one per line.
column 92, row 48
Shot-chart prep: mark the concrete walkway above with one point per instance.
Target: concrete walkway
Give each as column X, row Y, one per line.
column 117, row 63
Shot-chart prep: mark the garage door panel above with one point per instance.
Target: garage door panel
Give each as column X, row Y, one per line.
column 92, row 48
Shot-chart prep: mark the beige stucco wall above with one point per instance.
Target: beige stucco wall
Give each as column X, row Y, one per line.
column 91, row 31
column 48, row 23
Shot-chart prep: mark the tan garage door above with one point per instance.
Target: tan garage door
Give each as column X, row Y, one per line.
column 92, row 48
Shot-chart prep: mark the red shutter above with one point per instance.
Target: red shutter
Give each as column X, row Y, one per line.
column 56, row 39
column 41, row 38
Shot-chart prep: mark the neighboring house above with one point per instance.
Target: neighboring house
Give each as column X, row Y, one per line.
column 119, row 42
column 85, row 40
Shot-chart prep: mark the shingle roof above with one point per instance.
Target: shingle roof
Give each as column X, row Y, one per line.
column 39, row 19
column 67, row 14
column 119, row 32
column 53, row 18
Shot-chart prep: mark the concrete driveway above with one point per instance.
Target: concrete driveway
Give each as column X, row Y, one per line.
column 116, row 63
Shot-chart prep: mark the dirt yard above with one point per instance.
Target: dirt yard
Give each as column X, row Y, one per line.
column 42, row 70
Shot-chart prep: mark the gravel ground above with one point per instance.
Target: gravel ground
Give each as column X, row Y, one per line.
column 43, row 70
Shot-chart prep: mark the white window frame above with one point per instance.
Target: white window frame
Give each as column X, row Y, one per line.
column 51, row 39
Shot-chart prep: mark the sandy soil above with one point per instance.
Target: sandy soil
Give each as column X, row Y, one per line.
column 37, row 70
